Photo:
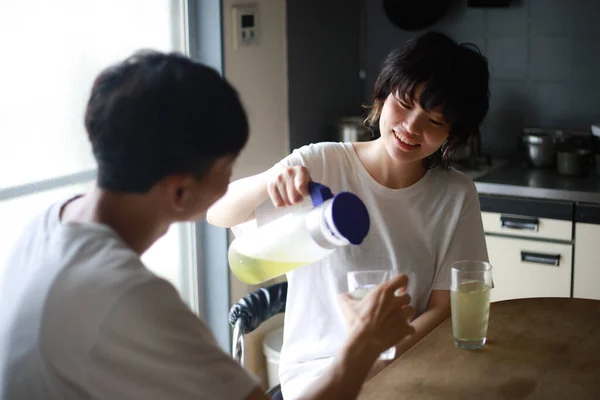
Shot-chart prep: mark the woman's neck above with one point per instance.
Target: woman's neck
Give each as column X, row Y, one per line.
column 386, row 171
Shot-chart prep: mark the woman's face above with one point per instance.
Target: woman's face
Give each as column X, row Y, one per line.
column 410, row 133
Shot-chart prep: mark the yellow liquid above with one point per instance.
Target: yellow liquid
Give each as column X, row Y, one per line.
column 254, row 270
column 470, row 311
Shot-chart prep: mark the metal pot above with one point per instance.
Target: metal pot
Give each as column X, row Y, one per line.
column 540, row 149
column 352, row 129
column 576, row 162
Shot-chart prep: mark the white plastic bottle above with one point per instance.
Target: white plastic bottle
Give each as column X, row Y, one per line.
column 300, row 238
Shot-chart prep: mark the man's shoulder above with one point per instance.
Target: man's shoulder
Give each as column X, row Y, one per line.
column 97, row 269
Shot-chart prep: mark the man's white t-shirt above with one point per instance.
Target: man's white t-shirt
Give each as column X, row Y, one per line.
column 82, row 318
column 419, row 231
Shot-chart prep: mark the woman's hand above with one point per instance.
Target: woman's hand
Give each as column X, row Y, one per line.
column 288, row 186
column 381, row 318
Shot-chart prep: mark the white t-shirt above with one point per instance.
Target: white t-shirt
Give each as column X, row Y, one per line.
column 418, row 231
column 82, row 318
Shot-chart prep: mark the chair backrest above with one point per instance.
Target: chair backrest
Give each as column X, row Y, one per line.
column 258, row 306
column 252, row 310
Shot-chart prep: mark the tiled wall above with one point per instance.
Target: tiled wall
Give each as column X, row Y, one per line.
column 544, row 60
column 323, row 57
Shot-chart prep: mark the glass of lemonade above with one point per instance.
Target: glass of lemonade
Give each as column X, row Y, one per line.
column 470, row 302
column 360, row 283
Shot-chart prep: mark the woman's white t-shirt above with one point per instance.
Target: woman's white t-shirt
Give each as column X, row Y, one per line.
column 419, row 231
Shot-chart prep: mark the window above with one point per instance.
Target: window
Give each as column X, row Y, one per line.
column 52, row 51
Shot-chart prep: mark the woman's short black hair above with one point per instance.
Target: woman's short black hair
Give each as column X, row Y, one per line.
column 155, row 114
column 451, row 75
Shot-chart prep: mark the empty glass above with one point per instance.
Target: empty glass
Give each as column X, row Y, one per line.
column 360, row 283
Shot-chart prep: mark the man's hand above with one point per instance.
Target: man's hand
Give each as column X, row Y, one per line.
column 382, row 318
column 377, row 322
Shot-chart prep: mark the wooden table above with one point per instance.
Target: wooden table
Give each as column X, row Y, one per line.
column 536, row 349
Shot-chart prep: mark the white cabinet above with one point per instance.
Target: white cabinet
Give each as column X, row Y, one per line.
column 542, row 248
column 586, row 272
column 530, row 245
column 524, row 268
column 533, row 227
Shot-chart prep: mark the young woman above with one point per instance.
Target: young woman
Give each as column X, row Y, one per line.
column 430, row 96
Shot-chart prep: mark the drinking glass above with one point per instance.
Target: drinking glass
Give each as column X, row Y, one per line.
column 360, row 283
column 470, row 302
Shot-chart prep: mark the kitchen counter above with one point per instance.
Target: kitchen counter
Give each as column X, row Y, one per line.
column 512, row 179
column 482, row 170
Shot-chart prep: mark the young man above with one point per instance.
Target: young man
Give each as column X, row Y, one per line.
column 82, row 317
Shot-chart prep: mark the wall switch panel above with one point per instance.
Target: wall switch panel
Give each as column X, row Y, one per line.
column 245, row 25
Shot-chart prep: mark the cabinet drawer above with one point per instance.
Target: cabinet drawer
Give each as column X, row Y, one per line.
column 517, row 225
column 527, row 268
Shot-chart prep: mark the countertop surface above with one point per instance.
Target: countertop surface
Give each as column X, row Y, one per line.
column 537, row 349
column 510, row 178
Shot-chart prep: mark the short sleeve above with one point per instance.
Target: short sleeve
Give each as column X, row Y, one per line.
column 467, row 241
column 151, row 346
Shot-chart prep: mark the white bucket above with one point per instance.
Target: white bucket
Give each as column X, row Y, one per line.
column 272, row 343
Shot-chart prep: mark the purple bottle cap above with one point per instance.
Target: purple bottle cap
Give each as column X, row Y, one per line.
column 319, row 193
column 350, row 217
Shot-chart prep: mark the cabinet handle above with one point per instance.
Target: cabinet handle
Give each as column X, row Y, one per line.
column 522, row 223
column 539, row 258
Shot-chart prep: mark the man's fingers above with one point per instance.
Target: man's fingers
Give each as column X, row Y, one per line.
column 398, row 282
column 346, row 301
column 345, row 297
column 409, row 313
column 402, row 299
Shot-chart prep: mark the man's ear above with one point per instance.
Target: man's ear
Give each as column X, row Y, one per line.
column 178, row 194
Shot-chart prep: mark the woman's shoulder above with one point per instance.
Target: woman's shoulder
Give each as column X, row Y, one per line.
column 321, row 148
column 318, row 153
column 454, row 181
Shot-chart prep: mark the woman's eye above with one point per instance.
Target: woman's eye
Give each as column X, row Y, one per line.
column 404, row 105
column 436, row 123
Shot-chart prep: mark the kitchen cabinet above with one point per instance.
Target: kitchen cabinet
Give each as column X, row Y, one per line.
column 527, row 226
column 586, row 272
column 524, row 268
column 530, row 246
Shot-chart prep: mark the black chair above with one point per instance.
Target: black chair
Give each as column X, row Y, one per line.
column 251, row 311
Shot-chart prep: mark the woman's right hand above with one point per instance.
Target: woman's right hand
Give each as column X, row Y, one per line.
column 288, row 186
